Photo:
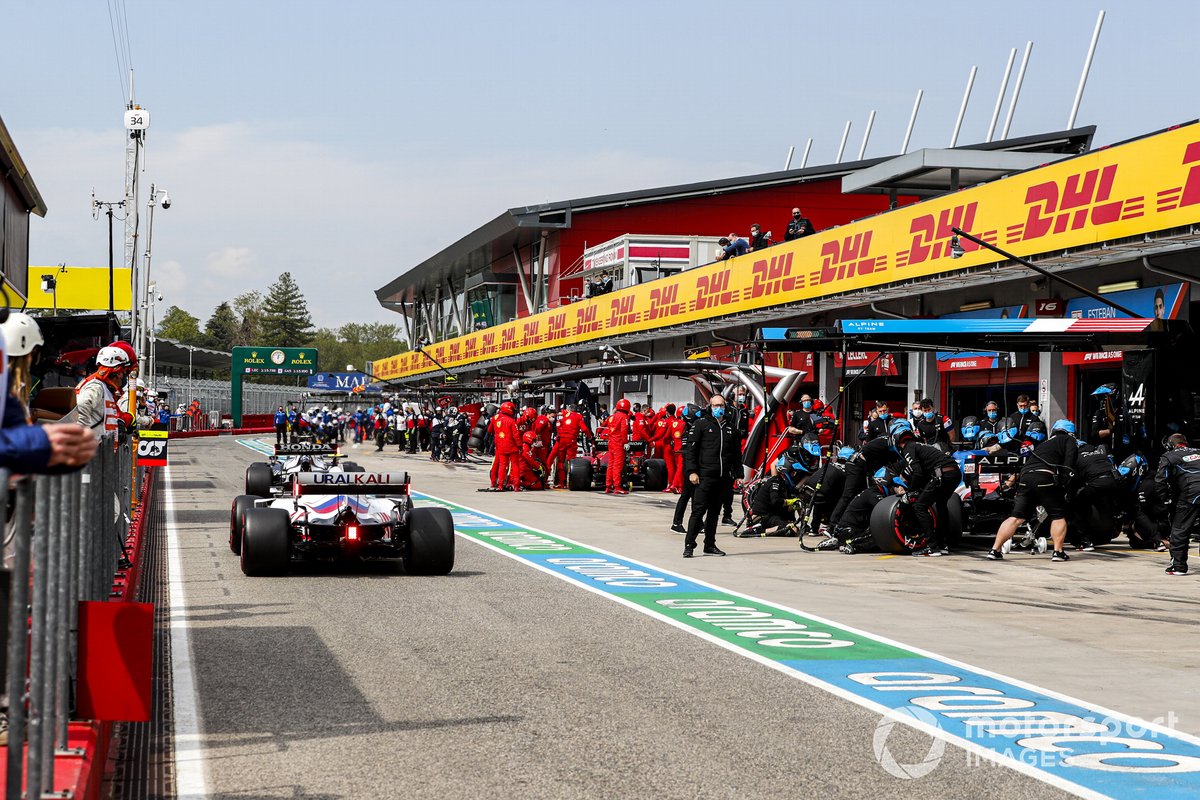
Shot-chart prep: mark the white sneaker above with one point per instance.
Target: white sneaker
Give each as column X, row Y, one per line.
column 1006, row 548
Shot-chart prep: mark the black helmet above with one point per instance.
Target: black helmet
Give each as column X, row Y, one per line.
column 1036, row 430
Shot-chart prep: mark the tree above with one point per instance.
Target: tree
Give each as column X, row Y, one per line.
column 355, row 343
column 248, row 307
column 285, row 318
column 181, row 326
column 222, row 328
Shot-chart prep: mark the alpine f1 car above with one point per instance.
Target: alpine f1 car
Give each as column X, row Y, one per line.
column 640, row 472
column 272, row 477
column 335, row 516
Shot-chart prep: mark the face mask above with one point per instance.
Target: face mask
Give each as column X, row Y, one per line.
column 928, row 415
column 992, row 414
column 1034, row 411
column 806, row 405
column 1023, row 410
column 718, row 412
column 884, row 414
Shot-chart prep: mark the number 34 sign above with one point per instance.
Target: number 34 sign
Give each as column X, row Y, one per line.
column 152, row 449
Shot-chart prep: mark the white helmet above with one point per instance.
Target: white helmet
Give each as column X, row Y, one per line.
column 112, row 357
column 21, row 334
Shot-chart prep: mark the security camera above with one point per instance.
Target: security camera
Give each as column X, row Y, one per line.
column 158, row 298
column 166, row 201
column 956, row 248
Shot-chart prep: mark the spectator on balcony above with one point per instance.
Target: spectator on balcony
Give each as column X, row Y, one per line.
column 25, row 447
column 731, row 246
column 799, row 227
column 758, row 239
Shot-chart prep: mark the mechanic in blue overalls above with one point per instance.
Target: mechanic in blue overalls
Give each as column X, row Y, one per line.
column 280, row 426
column 292, row 421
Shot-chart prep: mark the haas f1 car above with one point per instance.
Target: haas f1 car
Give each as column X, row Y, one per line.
column 333, row 516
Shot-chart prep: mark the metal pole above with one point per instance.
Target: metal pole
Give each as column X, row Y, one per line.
column 807, row 149
column 18, row 634
column 50, row 633
column 1087, row 67
column 862, row 151
column 842, row 146
column 962, row 109
column 38, row 639
column 1012, row 56
column 912, row 120
column 62, row 622
column 1012, row 105
column 146, row 278
column 1046, row 273
column 110, row 260
column 787, row 162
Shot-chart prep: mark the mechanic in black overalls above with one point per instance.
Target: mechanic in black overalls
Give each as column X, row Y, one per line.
column 991, row 421
column 690, row 414
column 876, row 424
column 1179, row 473
column 1018, row 421
column 930, row 476
column 933, row 428
column 870, row 458
column 1094, row 486
column 1040, row 483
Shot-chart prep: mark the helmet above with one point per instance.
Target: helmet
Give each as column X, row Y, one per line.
column 969, row 428
column 988, row 439
column 812, row 444
column 1064, row 425
column 898, row 431
column 1105, row 389
column 529, row 437
column 1036, row 430
column 21, row 334
column 796, row 459
column 846, row 453
column 508, row 408
column 529, row 412
column 623, row 405
column 112, row 357
column 127, row 348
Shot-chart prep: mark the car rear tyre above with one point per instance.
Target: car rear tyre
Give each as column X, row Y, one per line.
column 352, row 466
column 258, row 480
column 887, row 524
column 241, row 504
column 952, row 524
column 579, row 474
column 430, row 542
column 656, row 474
column 265, row 542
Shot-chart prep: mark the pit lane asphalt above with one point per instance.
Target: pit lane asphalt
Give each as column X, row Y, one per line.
column 501, row 681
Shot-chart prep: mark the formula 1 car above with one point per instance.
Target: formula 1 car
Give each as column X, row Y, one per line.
column 640, row 472
column 272, row 477
column 341, row 515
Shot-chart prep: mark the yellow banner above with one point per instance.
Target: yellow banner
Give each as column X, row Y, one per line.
column 1145, row 185
column 80, row 288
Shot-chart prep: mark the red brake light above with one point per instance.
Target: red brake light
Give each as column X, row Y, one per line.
column 352, row 533
column 295, row 488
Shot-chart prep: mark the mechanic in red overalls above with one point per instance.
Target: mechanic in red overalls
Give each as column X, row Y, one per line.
column 660, row 431
column 676, row 427
column 506, row 468
column 619, row 427
column 570, row 425
column 543, row 428
column 533, row 468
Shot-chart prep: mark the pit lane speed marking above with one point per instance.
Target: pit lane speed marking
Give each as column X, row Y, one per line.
column 1074, row 745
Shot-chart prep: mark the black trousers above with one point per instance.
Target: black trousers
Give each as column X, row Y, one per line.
column 935, row 493
column 1186, row 515
column 685, row 497
column 280, row 434
column 706, row 510
column 856, row 481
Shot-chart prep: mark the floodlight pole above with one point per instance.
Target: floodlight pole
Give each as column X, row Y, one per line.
column 1044, row 272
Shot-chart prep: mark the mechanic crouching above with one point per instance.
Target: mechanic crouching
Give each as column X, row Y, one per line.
column 533, row 464
column 1040, row 483
column 712, row 460
column 773, row 504
column 930, row 475
column 1179, row 473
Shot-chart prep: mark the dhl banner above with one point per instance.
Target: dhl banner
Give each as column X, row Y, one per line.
column 1148, row 184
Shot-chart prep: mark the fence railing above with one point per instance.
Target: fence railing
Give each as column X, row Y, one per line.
column 65, row 540
column 257, row 398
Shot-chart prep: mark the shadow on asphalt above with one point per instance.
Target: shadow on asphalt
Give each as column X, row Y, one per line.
column 233, row 611
column 291, row 687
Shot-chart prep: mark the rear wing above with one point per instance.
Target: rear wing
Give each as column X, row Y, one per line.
column 305, row 449
column 381, row 484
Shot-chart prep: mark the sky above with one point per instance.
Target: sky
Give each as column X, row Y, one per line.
column 346, row 142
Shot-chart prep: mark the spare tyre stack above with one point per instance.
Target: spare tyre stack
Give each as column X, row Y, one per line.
column 479, row 432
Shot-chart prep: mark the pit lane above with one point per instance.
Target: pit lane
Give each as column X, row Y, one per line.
column 500, row 680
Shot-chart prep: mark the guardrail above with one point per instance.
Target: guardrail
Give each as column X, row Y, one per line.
column 65, row 543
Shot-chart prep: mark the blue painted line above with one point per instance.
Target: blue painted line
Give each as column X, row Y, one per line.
column 1080, row 747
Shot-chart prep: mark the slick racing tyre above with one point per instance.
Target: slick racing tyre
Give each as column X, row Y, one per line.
column 430, row 542
column 265, row 542
column 952, row 523
column 258, row 480
column 236, row 517
column 352, row 466
column 892, row 525
column 579, row 474
column 655, row 478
